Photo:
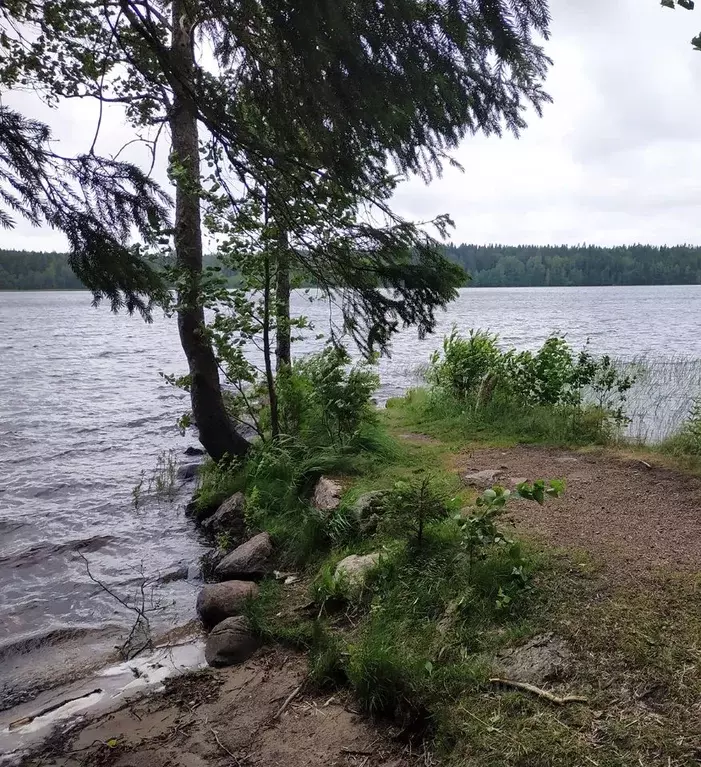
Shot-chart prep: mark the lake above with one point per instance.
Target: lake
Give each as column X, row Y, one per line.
column 84, row 412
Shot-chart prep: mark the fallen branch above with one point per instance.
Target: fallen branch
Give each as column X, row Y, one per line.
column 558, row 701
column 223, row 747
column 289, row 700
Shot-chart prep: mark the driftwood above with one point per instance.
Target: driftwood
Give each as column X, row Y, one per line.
column 558, row 701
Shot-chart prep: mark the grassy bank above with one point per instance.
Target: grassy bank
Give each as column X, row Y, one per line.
column 454, row 592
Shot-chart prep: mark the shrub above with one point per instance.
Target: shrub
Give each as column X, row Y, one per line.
column 327, row 398
column 466, row 362
column 476, row 372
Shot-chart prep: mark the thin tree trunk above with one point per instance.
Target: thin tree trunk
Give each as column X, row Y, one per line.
column 267, row 353
column 282, row 305
column 216, row 431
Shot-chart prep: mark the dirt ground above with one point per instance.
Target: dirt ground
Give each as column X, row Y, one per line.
column 230, row 718
column 638, row 520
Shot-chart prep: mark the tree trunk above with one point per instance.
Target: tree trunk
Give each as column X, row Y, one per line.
column 282, row 305
column 217, row 433
column 267, row 353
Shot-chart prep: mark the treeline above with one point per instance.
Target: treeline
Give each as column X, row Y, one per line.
column 562, row 265
column 27, row 270
column 488, row 265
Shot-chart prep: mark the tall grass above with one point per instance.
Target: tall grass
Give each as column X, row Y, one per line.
column 662, row 397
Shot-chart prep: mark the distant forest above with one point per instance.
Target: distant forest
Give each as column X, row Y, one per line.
column 488, row 266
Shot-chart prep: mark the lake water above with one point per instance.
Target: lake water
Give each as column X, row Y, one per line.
column 83, row 412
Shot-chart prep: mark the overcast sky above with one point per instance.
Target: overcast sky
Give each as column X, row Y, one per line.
column 615, row 159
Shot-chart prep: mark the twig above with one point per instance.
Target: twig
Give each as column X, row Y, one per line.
column 540, row 692
column 289, row 699
column 356, row 751
column 223, row 747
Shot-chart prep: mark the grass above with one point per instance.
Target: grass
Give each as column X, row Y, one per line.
column 418, row 642
column 498, row 422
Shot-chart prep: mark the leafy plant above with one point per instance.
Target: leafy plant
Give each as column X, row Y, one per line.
column 476, row 372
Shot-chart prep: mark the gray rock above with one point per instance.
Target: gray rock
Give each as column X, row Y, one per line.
column 354, row 569
column 179, row 574
column 249, row 560
column 188, row 471
column 483, row 479
column 231, row 642
column 327, row 495
column 369, row 504
column 209, row 561
column 218, row 601
column 194, row 450
column 228, row 518
column 543, row 658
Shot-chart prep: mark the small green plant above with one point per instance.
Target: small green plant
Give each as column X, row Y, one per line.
column 410, row 506
column 225, row 541
column 480, row 529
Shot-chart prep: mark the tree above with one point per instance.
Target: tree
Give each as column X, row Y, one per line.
column 405, row 78
column 94, row 201
column 689, row 6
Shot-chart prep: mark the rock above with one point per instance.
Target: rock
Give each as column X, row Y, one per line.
column 228, row 518
column 179, row 574
column 482, row 479
column 327, row 495
column 209, row 561
column 188, row 471
column 218, row 601
column 369, row 504
column 354, row 569
column 541, row 659
column 249, row 560
column 231, row 642
column 194, row 450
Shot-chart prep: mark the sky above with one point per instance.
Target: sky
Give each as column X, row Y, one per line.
column 615, row 159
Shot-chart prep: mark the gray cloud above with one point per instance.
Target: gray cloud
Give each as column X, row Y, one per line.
column 616, row 158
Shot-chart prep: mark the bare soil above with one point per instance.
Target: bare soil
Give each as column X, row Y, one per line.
column 637, row 519
column 229, row 718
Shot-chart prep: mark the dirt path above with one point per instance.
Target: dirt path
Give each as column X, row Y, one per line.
column 227, row 718
column 637, row 520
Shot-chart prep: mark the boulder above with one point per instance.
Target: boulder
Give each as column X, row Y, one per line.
column 368, row 504
column 483, row 479
column 188, row 471
column 354, row 569
column 228, row 518
column 218, row 601
column 327, row 495
column 194, row 451
column 249, row 560
column 543, row 658
column 231, row 642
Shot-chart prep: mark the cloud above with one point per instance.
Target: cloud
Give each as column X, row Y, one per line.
column 616, row 158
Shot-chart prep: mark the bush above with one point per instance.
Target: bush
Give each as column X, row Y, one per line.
column 324, row 399
column 479, row 376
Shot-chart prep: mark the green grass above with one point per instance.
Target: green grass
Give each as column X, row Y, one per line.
column 418, row 642
column 500, row 422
